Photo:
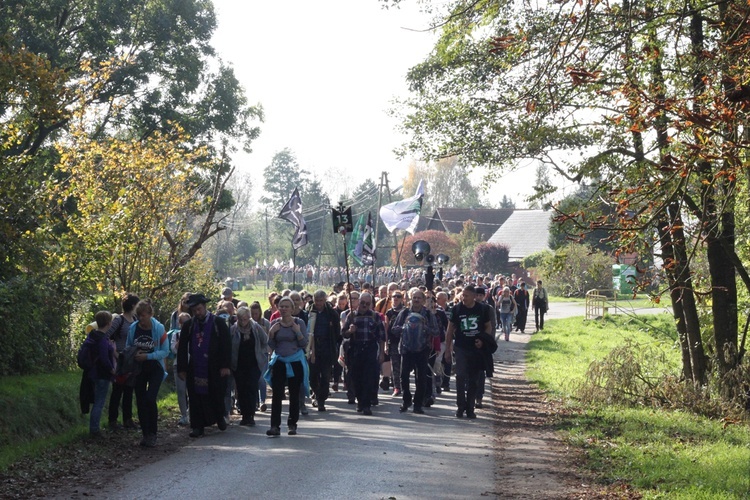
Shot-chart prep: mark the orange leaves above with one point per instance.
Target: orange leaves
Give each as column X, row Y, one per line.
column 581, row 76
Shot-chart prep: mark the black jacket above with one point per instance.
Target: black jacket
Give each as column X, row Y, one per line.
column 489, row 346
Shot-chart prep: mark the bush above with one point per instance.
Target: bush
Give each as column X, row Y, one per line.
column 439, row 241
column 574, row 269
column 490, row 258
column 34, row 330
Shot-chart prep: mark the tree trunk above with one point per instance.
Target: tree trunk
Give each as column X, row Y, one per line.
column 683, row 292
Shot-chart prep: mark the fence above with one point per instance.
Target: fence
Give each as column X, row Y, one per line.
column 598, row 302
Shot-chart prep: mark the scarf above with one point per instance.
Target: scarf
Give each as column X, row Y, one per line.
column 199, row 352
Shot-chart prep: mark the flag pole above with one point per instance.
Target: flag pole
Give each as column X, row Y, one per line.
column 398, row 256
column 294, row 267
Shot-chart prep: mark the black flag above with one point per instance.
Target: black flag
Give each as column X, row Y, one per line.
column 292, row 212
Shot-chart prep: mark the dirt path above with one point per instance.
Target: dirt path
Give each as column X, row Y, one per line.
column 532, row 463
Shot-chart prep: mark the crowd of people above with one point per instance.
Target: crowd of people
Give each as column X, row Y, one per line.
column 362, row 338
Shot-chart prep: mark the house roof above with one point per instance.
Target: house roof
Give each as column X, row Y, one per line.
column 525, row 232
column 451, row 220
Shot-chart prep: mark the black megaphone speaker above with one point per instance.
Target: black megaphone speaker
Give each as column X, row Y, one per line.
column 442, row 258
column 429, row 259
column 420, row 248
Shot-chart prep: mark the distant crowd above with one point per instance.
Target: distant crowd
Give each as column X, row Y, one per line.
column 361, row 338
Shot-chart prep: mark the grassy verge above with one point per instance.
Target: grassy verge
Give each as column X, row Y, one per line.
column 664, row 454
column 41, row 412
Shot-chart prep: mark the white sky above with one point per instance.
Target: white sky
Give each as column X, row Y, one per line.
column 326, row 73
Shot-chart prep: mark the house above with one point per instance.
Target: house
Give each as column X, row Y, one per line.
column 451, row 220
column 524, row 232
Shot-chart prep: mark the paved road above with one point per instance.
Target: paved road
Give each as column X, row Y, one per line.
column 343, row 454
column 337, row 454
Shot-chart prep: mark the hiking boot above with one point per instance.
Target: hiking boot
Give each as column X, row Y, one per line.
column 478, row 404
column 404, row 407
column 273, row 431
column 196, row 432
column 335, row 387
column 418, row 410
column 351, row 401
column 321, row 407
column 367, row 411
column 292, row 429
column 471, row 414
column 303, row 410
column 222, row 423
column 429, row 402
column 459, row 413
column 263, row 407
column 129, row 424
column 183, row 421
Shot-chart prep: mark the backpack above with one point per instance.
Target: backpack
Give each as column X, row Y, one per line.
column 86, row 358
column 414, row 337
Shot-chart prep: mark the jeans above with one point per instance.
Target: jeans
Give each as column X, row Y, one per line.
column 124, row 393
column 278, row 381
column 181, row 388
column 101, row 388
column 506, row 321
column 469, row 368
column 395, row 364
column 146, row 390
column 416, row 361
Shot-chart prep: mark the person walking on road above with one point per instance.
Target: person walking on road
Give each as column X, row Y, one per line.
column 541, row 305
column 469, row 319
column 325, row 328
column 288, row 366
column 506, row 307
column 522, row 301
column 417, row 326
column 204, row 357
column 366, row 333
column 249, row 357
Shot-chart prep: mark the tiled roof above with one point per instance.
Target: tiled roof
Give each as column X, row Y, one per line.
column 525, row 232
column 451, row 220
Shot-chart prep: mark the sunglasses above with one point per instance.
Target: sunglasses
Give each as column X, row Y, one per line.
column 363, row 303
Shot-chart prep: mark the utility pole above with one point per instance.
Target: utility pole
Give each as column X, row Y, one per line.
column 267, row 244
column 377, row 223
column 384, row 182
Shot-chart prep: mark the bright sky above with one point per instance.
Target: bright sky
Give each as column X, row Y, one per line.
column 326, row 73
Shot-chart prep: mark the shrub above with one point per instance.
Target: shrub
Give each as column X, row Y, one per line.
column 34, row 330
column 490, row 258
column 574, row 269
column 439, row 242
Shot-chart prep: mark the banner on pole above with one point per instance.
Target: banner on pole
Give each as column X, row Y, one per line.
column 403, row 214
column 292, row 212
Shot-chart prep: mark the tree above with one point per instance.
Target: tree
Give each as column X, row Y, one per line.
column 447, row 184
column 543, row 188
column 507, row 202
column 280, row 179
column 490, row 258
column 439, row 242
column 647, row 100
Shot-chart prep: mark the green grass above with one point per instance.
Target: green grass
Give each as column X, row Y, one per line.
column 41, row 412
column 663, row 454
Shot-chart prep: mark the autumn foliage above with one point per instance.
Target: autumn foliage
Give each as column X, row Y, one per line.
column 439, row 242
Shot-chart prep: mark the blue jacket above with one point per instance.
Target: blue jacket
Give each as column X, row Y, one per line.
column 161, row 343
